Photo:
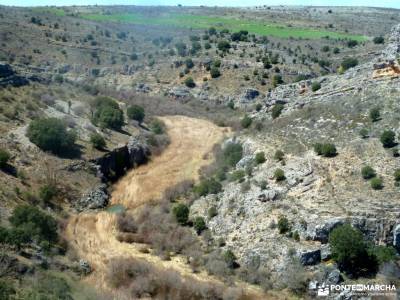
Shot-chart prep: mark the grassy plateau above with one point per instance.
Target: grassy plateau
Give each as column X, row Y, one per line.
column 204, row 22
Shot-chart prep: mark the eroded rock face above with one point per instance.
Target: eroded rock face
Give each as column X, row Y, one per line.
column 396, row 237
column 9, row 77
column 115, row 163
column 179, row 92
column 393, row 48
column 310, row 257
column 6, row 71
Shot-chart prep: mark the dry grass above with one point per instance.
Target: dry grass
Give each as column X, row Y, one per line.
column 191, row 141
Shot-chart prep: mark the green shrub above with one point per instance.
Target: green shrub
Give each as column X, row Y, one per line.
column 352, row 43
column 296, row 236
column 214, row 72
column 260, row 158
column 350, row 251
column 50, row 287
column 375, row 114
column 258, row 107
column 19, row 235
column 47, row 192
column 230, row 259
column 277, row 80
column 232, row 154
column 318, row 148
column 397, row 175
column 377, row 183
column 325, row 48
column 217, row 63
column 97, row 141
column 348, row 63
column 40, row 225
column 136, row 112
column 199, row 225
column 277, row 110
column 367, row 172
column 181, row 213
column 212, row 212
column 246, row 121
column 315, row 86
column 189, row 82
column 157, row 126
column 208, row 186
column 223, row 45
column 4, row 158
column 383, row 253
column 189, row 63
column 133, row 56
column 220, row 174
column 378, row 40
column 263, row 184
column 231, row 104
column 364, row 133
column 279, row 155
column 3, row 235
column 327, row 149
column 279, row 175
column 388, row 139
column 107, row 113
column 237, row 175
column 283, row 225
column 51, row 134
column 7, row 290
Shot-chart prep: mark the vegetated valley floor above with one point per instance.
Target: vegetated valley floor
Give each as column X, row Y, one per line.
column 93, row 235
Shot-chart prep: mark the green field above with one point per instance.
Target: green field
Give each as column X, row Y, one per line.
column 203, row 22
column 52, row 10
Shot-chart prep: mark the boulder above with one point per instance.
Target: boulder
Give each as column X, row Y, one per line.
column 142, row 88
column 6, row 70
column 249, row 95
column 325, row 252
column 333, row 277
column 62, row 69
column 310, row 257
column 84, row 267
column 95, row 198
column 179, row 92
column 322, row 231
column 268, row 195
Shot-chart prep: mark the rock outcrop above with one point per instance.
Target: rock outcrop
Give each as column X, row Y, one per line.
column 310, row 257
column 114, row 164
column 9, row 77
column 95, row 198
